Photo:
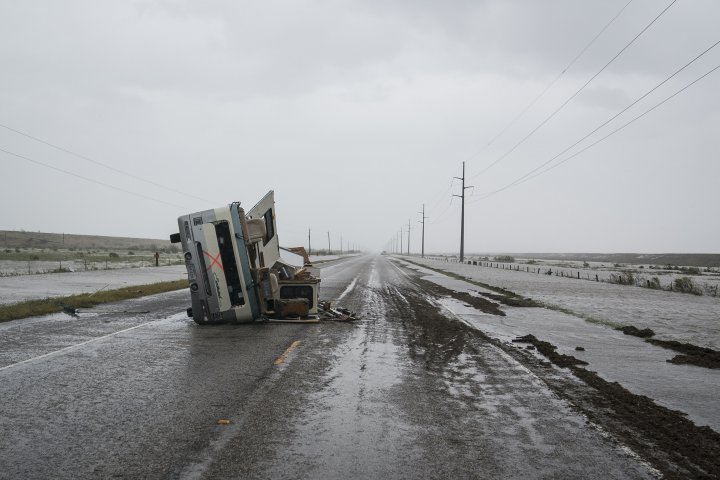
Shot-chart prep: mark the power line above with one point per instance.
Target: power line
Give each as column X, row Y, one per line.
column 529, row 175
column 628, row 123
column 667, row 79
column 548, row 87
column 440, row 218
column 116, row 170
column 571, row 97
column 443, row 195
column 87, row 179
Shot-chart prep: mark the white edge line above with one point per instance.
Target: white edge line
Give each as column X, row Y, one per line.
column 349, row 288
column 29, row 360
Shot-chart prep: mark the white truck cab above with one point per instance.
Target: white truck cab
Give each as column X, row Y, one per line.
column 235, row 271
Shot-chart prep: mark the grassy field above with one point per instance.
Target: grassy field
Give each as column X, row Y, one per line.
column 24, row 253
column 65, row 255
column 41, row 240
column 45, row 306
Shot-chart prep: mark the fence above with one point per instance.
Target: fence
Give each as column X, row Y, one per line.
column 678, row 283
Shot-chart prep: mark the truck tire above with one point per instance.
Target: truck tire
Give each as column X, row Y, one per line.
column 175, row 238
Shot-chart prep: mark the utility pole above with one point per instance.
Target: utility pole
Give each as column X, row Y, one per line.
column 340, row 244
column 408, row 237
column 329, row 252
column 401, row 242
column 422, row 252
column 309, row 249
column 462, row 215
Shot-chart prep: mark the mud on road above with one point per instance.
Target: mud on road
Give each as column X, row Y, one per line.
column 409, row 391
column 665, row 438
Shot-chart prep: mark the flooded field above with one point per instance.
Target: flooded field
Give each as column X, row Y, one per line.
column 659, row 277
column 672, row 315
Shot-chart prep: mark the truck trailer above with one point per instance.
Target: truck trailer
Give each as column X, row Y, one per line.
column 235, row 269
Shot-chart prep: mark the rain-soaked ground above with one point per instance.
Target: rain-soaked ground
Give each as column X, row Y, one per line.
column 411, row 390
column 406, row 394
column 638, row 366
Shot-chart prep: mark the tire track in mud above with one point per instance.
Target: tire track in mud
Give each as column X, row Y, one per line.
column 484, row 403
column 665, row 438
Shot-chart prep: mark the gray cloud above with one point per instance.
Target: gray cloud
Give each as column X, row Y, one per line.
column 358, row 112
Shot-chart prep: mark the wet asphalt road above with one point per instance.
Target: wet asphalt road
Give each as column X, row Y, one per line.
column 406, row 392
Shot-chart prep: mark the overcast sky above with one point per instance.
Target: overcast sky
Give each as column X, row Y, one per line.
column 358, row 112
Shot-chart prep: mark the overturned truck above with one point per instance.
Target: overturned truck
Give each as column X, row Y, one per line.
column 236, row 272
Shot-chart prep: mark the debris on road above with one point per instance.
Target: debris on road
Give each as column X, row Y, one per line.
column 336, row 314
column 313, row 319
column 237, row 271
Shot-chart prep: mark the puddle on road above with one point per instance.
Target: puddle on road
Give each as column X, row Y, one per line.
column 638, row 366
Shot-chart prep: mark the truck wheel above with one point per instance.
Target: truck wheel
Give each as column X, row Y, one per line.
column 189, row 312
column 175, row 238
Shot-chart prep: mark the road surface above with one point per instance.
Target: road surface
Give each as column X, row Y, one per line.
column 408, row 391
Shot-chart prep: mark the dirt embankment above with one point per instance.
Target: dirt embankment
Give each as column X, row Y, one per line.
column 480, row 303
column 674, row 444
column 689, row 354
column 666, row 438
column 550, row 351
column 511, row 299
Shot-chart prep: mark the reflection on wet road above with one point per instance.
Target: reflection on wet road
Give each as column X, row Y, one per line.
column 406, row 392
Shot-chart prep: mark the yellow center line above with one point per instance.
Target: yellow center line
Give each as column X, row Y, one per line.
column 287, row 352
